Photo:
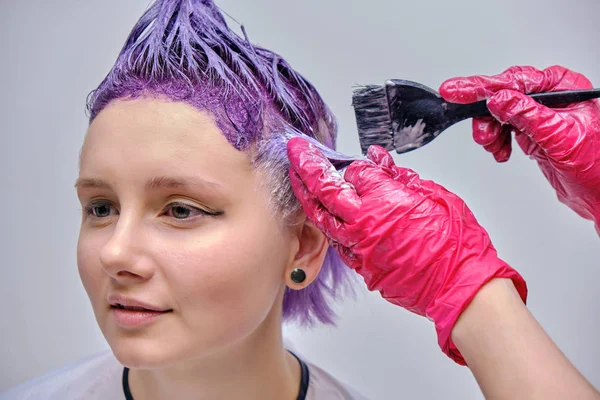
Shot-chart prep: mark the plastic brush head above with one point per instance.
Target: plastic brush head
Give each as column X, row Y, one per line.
column 418, row 114
column 400, row 116
column 404, row 115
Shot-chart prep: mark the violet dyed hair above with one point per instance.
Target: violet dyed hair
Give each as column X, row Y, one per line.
column 184, row 51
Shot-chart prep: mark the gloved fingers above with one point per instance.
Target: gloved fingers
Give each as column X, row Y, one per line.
column 346, row 254
column 367, row 178
column 315, row 211
column 493, row 136
column 380, row 156
column 543, row 125
column 322, row 180
column 383, row 159
column 486, row 130
column 525, row 79
column 566, row 79
column 525, row 143
column 503, row 154
column 501, row 148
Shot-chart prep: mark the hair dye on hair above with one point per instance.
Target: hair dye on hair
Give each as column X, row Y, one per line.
column 183, row 50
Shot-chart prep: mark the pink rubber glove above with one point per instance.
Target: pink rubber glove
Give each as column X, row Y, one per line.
column 565, row 142
column 410, row 239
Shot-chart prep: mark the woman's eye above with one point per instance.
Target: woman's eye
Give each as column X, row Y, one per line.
column 98, row 209
column 185, row 211
column 175, row 210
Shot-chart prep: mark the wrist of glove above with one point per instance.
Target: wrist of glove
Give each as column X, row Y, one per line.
column 416, row 243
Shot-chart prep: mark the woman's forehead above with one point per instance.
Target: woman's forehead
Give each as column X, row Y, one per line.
column 165, row 137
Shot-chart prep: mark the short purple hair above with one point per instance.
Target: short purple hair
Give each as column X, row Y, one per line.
column 184, row 51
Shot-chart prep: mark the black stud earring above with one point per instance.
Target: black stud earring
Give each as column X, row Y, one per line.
column 298, row 275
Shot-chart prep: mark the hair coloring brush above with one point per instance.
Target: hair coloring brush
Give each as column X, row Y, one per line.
column 404, row 115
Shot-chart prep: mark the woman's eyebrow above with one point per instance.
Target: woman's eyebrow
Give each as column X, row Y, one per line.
column 159, row 182
column 91, row 183
column 156, row 182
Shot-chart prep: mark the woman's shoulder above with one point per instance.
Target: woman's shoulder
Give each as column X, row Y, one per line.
column 322, row 385
column 95, row 377
column 325, row 386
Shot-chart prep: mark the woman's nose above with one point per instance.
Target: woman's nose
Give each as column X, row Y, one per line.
column 124, row 256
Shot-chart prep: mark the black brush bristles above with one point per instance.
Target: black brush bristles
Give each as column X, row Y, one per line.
column 373, row 117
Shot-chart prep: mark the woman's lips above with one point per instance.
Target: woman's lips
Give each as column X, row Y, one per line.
column 132, row 318
column 122, row 301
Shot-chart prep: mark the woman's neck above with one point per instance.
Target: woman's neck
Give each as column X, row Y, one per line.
column 257, row 367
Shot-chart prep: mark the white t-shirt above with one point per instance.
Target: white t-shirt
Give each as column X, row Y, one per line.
column 100, row 377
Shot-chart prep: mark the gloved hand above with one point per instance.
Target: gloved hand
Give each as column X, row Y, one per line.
column 565, row 142
column 410, row 239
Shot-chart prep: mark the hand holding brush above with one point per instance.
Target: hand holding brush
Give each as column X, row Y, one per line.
column 565, row 141
column 552, row 112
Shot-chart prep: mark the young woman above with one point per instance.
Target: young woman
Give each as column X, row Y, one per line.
column 194, row 249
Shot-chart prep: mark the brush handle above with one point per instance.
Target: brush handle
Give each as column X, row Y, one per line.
column 549, row 99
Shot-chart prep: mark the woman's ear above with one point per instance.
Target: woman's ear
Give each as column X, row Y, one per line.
column 308, row 257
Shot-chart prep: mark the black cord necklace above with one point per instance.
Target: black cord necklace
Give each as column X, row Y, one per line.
column 304, row 379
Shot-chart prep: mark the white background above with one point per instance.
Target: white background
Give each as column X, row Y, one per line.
column 54, row 52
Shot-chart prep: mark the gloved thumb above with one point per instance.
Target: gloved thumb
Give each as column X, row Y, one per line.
column 541, row 124
column 380, row 156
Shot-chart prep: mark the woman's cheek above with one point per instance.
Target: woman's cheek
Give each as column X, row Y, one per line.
column 230, row 283
column 88, row 264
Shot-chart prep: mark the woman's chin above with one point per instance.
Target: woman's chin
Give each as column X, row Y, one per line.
column 134, row 353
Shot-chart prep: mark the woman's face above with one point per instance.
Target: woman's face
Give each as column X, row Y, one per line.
column 175, row 217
